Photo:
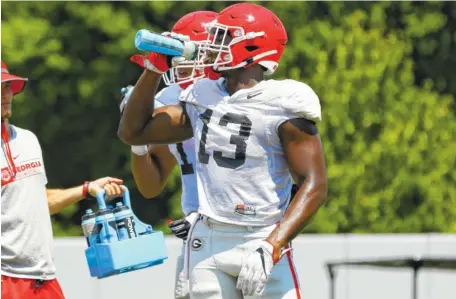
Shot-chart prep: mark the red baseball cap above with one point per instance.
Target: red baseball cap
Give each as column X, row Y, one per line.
column 17, row 83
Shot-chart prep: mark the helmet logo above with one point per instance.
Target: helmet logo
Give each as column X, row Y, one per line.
column 205, row 26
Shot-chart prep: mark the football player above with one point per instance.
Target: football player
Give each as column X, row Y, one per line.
column 152, row 165
column 252, row 137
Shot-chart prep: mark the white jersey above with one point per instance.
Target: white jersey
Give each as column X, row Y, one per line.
column 184, row 152
column 242, row 173
column 26, row 224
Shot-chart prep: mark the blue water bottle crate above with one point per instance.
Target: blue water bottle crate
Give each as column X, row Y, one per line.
column 118, row 242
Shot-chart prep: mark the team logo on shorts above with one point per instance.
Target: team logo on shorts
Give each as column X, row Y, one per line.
column 197, row 244
column 245, row 210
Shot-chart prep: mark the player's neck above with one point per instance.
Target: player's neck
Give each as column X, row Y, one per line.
column 243, row 78
column 6, row 127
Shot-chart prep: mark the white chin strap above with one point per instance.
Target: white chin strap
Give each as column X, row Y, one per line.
column 244, row 63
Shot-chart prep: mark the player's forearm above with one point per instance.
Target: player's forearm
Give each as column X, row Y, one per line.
column 147, row 176
column 304, row 153
column 309, row 198
column 138, row 112
column 59, row 199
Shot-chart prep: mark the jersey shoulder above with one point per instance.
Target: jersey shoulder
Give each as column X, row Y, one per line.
column 26, row 137
column 24, row 134
column 168, row 95
column 204, row 92
column 296, row 99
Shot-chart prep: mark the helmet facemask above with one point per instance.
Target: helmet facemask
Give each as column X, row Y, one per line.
column 184, row 71
column 217, row 51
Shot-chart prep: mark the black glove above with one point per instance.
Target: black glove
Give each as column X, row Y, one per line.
column 180, row 228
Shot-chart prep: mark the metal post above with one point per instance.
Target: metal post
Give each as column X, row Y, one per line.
column 332, row 282
column 416, row 264
column 414, row 285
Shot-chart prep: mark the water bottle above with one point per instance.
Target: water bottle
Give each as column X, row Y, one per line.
column 88, row 227
column 148, row 41
column 124, row 221
column 106, row 226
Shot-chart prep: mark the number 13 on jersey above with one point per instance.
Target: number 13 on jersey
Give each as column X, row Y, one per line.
column 238, row 140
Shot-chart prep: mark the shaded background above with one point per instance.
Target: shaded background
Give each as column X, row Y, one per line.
column 384, row 72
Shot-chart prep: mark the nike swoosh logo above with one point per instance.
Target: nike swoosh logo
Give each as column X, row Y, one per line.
column 15, row 157
column 261, row 252
column 249, row 96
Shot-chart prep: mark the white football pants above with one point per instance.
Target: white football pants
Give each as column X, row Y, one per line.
column 181, row 286
column 216, row 252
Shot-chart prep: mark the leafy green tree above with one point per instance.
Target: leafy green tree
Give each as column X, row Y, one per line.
column 383, row 71
column 389, row 143
column 76, row 56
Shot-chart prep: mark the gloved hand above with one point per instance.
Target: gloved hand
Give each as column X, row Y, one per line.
column 181, row 37
column 153, row 62
column 181, row 227
column 160, row 63
column 256, row 269
column 190, row 47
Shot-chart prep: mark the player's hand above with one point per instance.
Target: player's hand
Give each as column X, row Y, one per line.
column 256, row 270
column 189, row 49
column 153, row 62
column 181, row 37
column 160, row 63
column 109, row 184
column 181, row 227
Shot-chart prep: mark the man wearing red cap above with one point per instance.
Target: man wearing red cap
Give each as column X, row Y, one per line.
column 27, row 268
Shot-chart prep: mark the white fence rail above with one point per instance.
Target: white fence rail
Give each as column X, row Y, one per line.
column 311, row 253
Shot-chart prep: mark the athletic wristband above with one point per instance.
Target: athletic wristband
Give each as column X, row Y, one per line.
column 85, row 189
column 139, row 150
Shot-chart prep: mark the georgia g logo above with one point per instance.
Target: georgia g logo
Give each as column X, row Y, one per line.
column 197, row 244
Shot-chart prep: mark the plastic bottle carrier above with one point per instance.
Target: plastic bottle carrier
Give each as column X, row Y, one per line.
column 118, row 241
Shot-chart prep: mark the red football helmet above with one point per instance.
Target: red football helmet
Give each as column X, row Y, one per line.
column 242, row 35
column 194, row 26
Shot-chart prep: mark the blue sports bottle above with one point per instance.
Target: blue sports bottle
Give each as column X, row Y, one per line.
column 148, row 41
column 125, row 222
column 132, row 246
column 89, row 227
column 106, row 226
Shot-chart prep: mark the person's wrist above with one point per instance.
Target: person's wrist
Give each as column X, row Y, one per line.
column 139, row 150
column 85, row 189
column 276, row 249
